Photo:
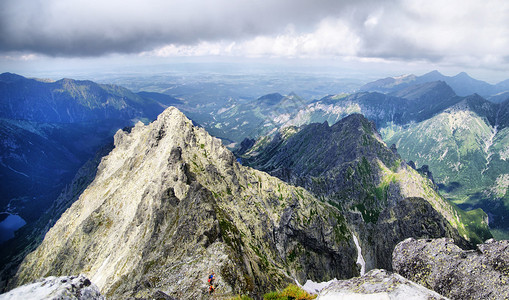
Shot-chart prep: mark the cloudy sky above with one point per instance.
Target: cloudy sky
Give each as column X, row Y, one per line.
column 398, row 35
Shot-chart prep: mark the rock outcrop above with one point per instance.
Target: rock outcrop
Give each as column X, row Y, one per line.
column 170, row 204
column 377, row 284
column 56, row 288
column 443, row 267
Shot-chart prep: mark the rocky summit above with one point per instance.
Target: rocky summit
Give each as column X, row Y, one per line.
column 377, row 284
column 170, row 204
column 440, row 265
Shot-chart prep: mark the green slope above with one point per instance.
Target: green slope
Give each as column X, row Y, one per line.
column 467, row 156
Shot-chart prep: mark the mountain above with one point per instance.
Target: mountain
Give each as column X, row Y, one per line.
column 70, row 101
column 426, row 100
column 503, row 85
column 411, row 104
column 462, row 84
column 377, row 107
column 408, row 112
column 348, row 165
column 499, row 98
column 170, row 203
column 388, row 84
column 457, row 137
column 465, row 146
column 465, row 85
column 433, row 91
column 252, row 118
column 270, row 99
column 255, row 118
column 49, row 129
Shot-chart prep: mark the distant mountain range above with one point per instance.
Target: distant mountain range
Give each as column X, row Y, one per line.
column 462, row 84
column 461, row 138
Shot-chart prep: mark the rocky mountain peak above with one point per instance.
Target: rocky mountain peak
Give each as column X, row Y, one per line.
column 10, row 77
column 270, row 99
column 349, row 165
column 170, row 204
column 429, row 91
column 463, row 75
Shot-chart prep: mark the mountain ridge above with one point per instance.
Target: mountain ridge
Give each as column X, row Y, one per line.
column 50, row 129
column 462, row 84
column 174, row 187
column 349, row 165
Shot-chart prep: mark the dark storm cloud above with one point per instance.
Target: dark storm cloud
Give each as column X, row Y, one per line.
column 93, row 28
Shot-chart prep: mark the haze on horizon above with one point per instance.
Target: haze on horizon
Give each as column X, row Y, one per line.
column 379, row 38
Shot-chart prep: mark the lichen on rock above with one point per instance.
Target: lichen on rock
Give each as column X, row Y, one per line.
column 377, row 284
column 442, row 266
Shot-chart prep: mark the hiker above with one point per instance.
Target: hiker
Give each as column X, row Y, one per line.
column 212, row 277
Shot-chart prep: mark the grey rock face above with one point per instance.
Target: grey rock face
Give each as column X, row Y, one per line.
column 442, row 266
column 412, row 217
column 377, row 284
column 170, row 204
column 57, row 288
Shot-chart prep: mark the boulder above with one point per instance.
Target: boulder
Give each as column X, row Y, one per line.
column 442, row 266
column 377, row 284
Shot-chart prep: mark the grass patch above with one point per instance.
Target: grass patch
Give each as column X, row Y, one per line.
column 290, row 292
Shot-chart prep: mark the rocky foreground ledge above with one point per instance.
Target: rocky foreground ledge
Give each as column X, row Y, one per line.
column 442, row 266
column 64, row 287
column 377, row 284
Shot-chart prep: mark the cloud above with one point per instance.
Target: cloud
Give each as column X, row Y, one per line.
column 468, row 32
column 96, row 27
column 331, row 37
column 437, row 30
